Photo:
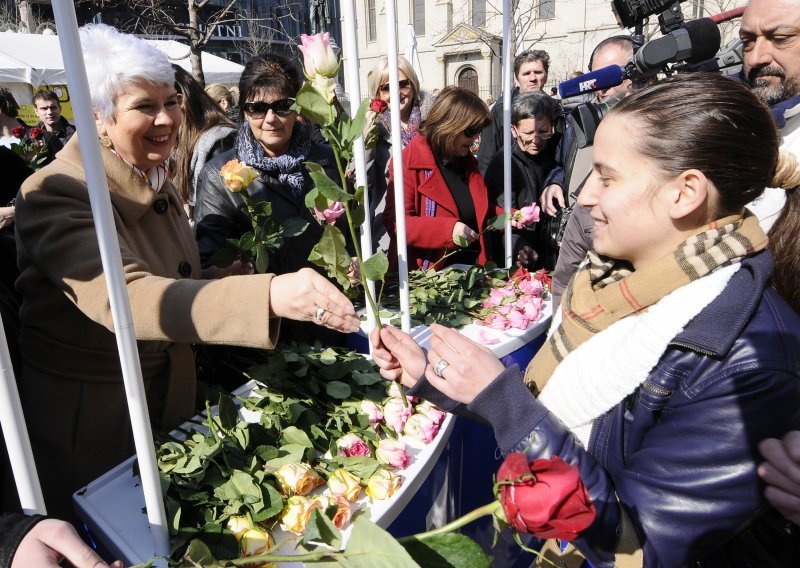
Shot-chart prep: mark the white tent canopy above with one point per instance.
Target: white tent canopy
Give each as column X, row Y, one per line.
column 36, row 59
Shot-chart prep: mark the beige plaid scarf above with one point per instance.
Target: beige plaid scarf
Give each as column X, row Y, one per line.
column 606, row 290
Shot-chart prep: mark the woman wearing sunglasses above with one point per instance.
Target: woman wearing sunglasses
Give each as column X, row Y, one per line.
column 446, row 201
column 673, row 354
column 532, row 158
column 414, row 107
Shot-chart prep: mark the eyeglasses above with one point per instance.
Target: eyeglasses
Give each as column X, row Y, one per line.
column 404, row 84
column 260, row 109
column 536, row 135
column 473, row 131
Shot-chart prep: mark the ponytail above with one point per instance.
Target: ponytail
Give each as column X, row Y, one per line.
column 784, row 233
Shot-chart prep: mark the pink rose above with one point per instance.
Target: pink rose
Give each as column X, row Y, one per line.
column 318, row 56
column 394, row 392
column 392, row 453
column 421, row 427
column 331, row 214
column 373, row 411
column 498, row 322
column 351, row 445
column 497, row 296
column 533, row 309
column 396, row 415
column 429, row 410
column 525, row 216
column 517, row 320
column 533, row 287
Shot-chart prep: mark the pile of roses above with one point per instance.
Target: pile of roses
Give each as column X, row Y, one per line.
column 518, row 304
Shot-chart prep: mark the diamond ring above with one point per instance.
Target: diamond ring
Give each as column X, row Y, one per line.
column 440, row 367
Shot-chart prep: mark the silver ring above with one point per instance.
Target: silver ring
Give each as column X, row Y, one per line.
column 318, row 315
column 440, row 367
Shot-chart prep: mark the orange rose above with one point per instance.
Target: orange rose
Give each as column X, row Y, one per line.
column 237, row 175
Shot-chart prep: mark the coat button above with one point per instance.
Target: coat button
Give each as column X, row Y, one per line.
column 161, row 206
column 185, row 269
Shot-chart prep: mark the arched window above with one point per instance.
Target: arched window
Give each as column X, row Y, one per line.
column 468, row 79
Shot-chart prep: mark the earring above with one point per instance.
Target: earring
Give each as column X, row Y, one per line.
column 105, row 141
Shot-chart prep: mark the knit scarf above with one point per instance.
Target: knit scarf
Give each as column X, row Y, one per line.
column 287, row 167
column 605, row 290
column 408, row 133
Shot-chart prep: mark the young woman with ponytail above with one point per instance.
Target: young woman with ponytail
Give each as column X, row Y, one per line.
column 673, row 354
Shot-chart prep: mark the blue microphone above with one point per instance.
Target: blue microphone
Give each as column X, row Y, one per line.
column 604, row 78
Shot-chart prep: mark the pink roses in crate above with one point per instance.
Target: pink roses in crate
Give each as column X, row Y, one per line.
column 516, row 305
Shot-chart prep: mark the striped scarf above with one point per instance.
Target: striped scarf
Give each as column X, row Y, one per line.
column 605, row 290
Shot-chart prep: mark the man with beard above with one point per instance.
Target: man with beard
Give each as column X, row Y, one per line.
column 770, row 34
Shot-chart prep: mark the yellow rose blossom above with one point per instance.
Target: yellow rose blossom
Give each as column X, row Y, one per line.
column 256, row 541
column 238, row 525
column 296, row 513
column 237, row 175
column 343, row 513
column 383, row 484
column 344, row 484
column 298, row 478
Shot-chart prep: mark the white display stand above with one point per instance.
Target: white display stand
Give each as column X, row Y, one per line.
column 112, row 506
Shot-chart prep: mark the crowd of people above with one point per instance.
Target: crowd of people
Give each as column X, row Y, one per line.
column 669, row 212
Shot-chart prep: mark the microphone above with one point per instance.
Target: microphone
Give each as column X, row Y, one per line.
column 697, row 40
column 604, row 78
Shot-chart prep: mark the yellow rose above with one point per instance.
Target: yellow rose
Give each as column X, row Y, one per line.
column 344, row 484
column 238, row 525
column 237, row 175
column 343, row 513
column 298, row 478
column 383, row 484
column 256, row 541
column 296, row 513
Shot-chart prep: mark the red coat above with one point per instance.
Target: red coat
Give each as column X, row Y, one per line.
column 431, row 211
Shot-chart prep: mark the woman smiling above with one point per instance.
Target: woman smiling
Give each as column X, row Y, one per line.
column 70, row 384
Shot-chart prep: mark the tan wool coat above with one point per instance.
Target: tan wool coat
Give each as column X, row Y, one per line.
column 71, row 382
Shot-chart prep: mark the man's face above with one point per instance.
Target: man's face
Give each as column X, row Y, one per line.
column 612, row 55
column 771, row 35
column 531, row 77
column 48, row 112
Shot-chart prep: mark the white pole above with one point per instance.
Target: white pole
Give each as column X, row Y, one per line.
column 397, row 164
column 507, row 74
column 66, row 21
column 354, row 91
column 16, row 434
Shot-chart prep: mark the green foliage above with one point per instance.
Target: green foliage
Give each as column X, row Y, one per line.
column 330, row 253
column 447, row 551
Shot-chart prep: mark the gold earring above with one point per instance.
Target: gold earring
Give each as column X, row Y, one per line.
column 105, row 141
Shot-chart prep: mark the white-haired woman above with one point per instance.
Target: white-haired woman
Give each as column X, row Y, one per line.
column 413, row 108
column 70, row 384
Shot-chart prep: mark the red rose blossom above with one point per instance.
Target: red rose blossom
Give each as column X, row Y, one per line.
column 542, row 276
column 18, row 131
column 521, row 274
column 377, row 105
column 544, row 497
column 36, row 133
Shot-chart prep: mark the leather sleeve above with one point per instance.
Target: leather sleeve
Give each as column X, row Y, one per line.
column 215, row 213
column 13, row 528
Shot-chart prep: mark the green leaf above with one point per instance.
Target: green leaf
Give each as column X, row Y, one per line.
column 498, row 223
column 372, row 547
column 361, row 466
column 338, row 389
column 330, row 253
column 326, row 185
column 357, row 123
column 228, row 413
column 357, row 207
column 262, row 259
column 312, row 105
column 199, row 554
column 460, row 241
column 293, row 226
column 321, row 529
column 293, row 435
column 447, row 550
column 375, row 267
column 292, row 453
column 225, row 256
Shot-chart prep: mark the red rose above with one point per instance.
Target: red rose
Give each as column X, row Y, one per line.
column 36, row 133
column 377, row 106
column 543, row 277
column 18, row 131
column 521, row 274
column 544, row 497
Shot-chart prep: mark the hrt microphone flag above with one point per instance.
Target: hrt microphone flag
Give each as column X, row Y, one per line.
column 604, row 78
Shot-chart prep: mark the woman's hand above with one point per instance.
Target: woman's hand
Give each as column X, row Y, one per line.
column 397, row 355
column 781, row 472
column 552, row 199
column 49, row 542
column 460, row 230
column 6, row 217
column 465, row 368
column 305, row 295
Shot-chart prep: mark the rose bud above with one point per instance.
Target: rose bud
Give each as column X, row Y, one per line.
column 296, row 513
column 344, row 484
column 421, row 427
column 429, row 410
column 395, row 414
column 377, row 105
column 392, row 453
column 18, row 131
column 373, row 411
column 237, row 175
column 394, row 392
column 36, row 133
column 331, row 214
column 351, row 445
column 318, row 56
column 256, row 541
column 544, row 497
column 238, row 525
column 341, row 515
column 383, row 484
column 298, row 478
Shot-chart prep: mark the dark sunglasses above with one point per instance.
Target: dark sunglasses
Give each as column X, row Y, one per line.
column 404, row 84
column 473, row 131
column 259, row 109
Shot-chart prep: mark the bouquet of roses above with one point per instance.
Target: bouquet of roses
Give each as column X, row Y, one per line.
column 31, row 147
column 517, row 304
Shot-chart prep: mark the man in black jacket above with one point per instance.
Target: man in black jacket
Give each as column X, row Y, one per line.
column 48, row 109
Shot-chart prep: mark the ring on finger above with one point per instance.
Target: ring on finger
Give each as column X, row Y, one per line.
column 319, row 313
column 440, row 367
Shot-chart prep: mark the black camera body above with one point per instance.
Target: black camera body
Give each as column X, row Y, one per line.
column 631, row 13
